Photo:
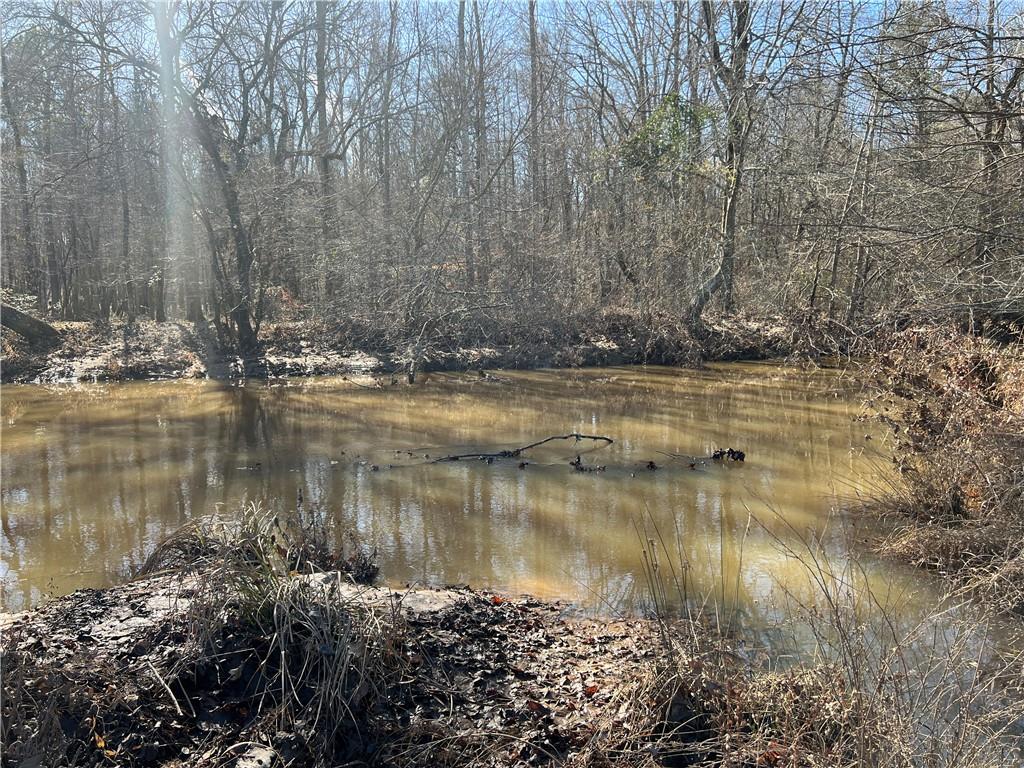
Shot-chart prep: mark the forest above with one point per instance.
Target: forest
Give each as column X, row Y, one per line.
column 564, row 383
column 487, row 164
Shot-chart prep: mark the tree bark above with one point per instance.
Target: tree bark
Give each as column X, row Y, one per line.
column 385, row 138
column 55, row 272
column 462, row 181
column 322, row 124
column 733, row 77
column 534, row 118
column 34, row 330
column 31, row 255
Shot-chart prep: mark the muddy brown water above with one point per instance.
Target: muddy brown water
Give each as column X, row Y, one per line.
column 94, row 475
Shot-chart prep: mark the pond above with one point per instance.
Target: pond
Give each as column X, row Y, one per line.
column 94, row 475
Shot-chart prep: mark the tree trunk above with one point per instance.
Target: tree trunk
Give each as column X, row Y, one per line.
column 462, row 170
column 54, row 271
column 991, row 151
column 483, row 261
column 534, row 117
column 322, row 125
column 31, row 256
column 35, row 331
column 385, row 137
column 732, row 77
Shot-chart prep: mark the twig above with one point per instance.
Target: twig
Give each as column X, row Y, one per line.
column 514, row 452
column 682, row 456
column 166, row 687
column 350, row 380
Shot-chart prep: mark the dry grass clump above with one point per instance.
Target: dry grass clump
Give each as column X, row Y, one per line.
column 732, row 711
column 789, row 716
column 863, row 685
column 270, row 596
column 256, row 542
column 321, row 661
column 251, row 649
column 918, row 702
column 956, row 405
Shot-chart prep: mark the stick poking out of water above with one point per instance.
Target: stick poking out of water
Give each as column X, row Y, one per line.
column 515, row 452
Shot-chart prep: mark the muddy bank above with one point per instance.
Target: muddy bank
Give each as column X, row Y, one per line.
column 112, row 351
column 457, row 677
column 330, row 673
column 334, row 673
column 247, row 641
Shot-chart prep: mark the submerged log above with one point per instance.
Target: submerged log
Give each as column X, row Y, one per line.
column 33, row 330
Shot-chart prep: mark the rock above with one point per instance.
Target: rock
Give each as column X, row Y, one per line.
column 258, row 757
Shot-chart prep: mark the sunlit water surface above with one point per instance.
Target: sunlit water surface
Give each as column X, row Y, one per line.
column 94, row 475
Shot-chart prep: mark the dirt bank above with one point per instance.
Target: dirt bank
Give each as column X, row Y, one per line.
column 480, row 674
column 343, row 674
column 148, row 350
column 956, row 405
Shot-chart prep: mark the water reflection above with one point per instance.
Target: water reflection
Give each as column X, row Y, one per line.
column 94, row 475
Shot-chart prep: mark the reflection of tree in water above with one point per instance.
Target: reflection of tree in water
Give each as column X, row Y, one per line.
column 159, row 455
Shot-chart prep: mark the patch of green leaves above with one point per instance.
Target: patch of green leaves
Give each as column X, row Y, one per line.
column 663, row 143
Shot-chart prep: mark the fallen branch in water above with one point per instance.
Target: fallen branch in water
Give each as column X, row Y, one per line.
column 577, row 464
column 718, row 455
column 728, row 453
column 515, row 452
column 691, row 461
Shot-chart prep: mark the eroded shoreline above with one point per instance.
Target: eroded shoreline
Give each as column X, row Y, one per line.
column 120, row 351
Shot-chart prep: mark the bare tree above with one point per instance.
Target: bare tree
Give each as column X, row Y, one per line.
column 404, row 166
